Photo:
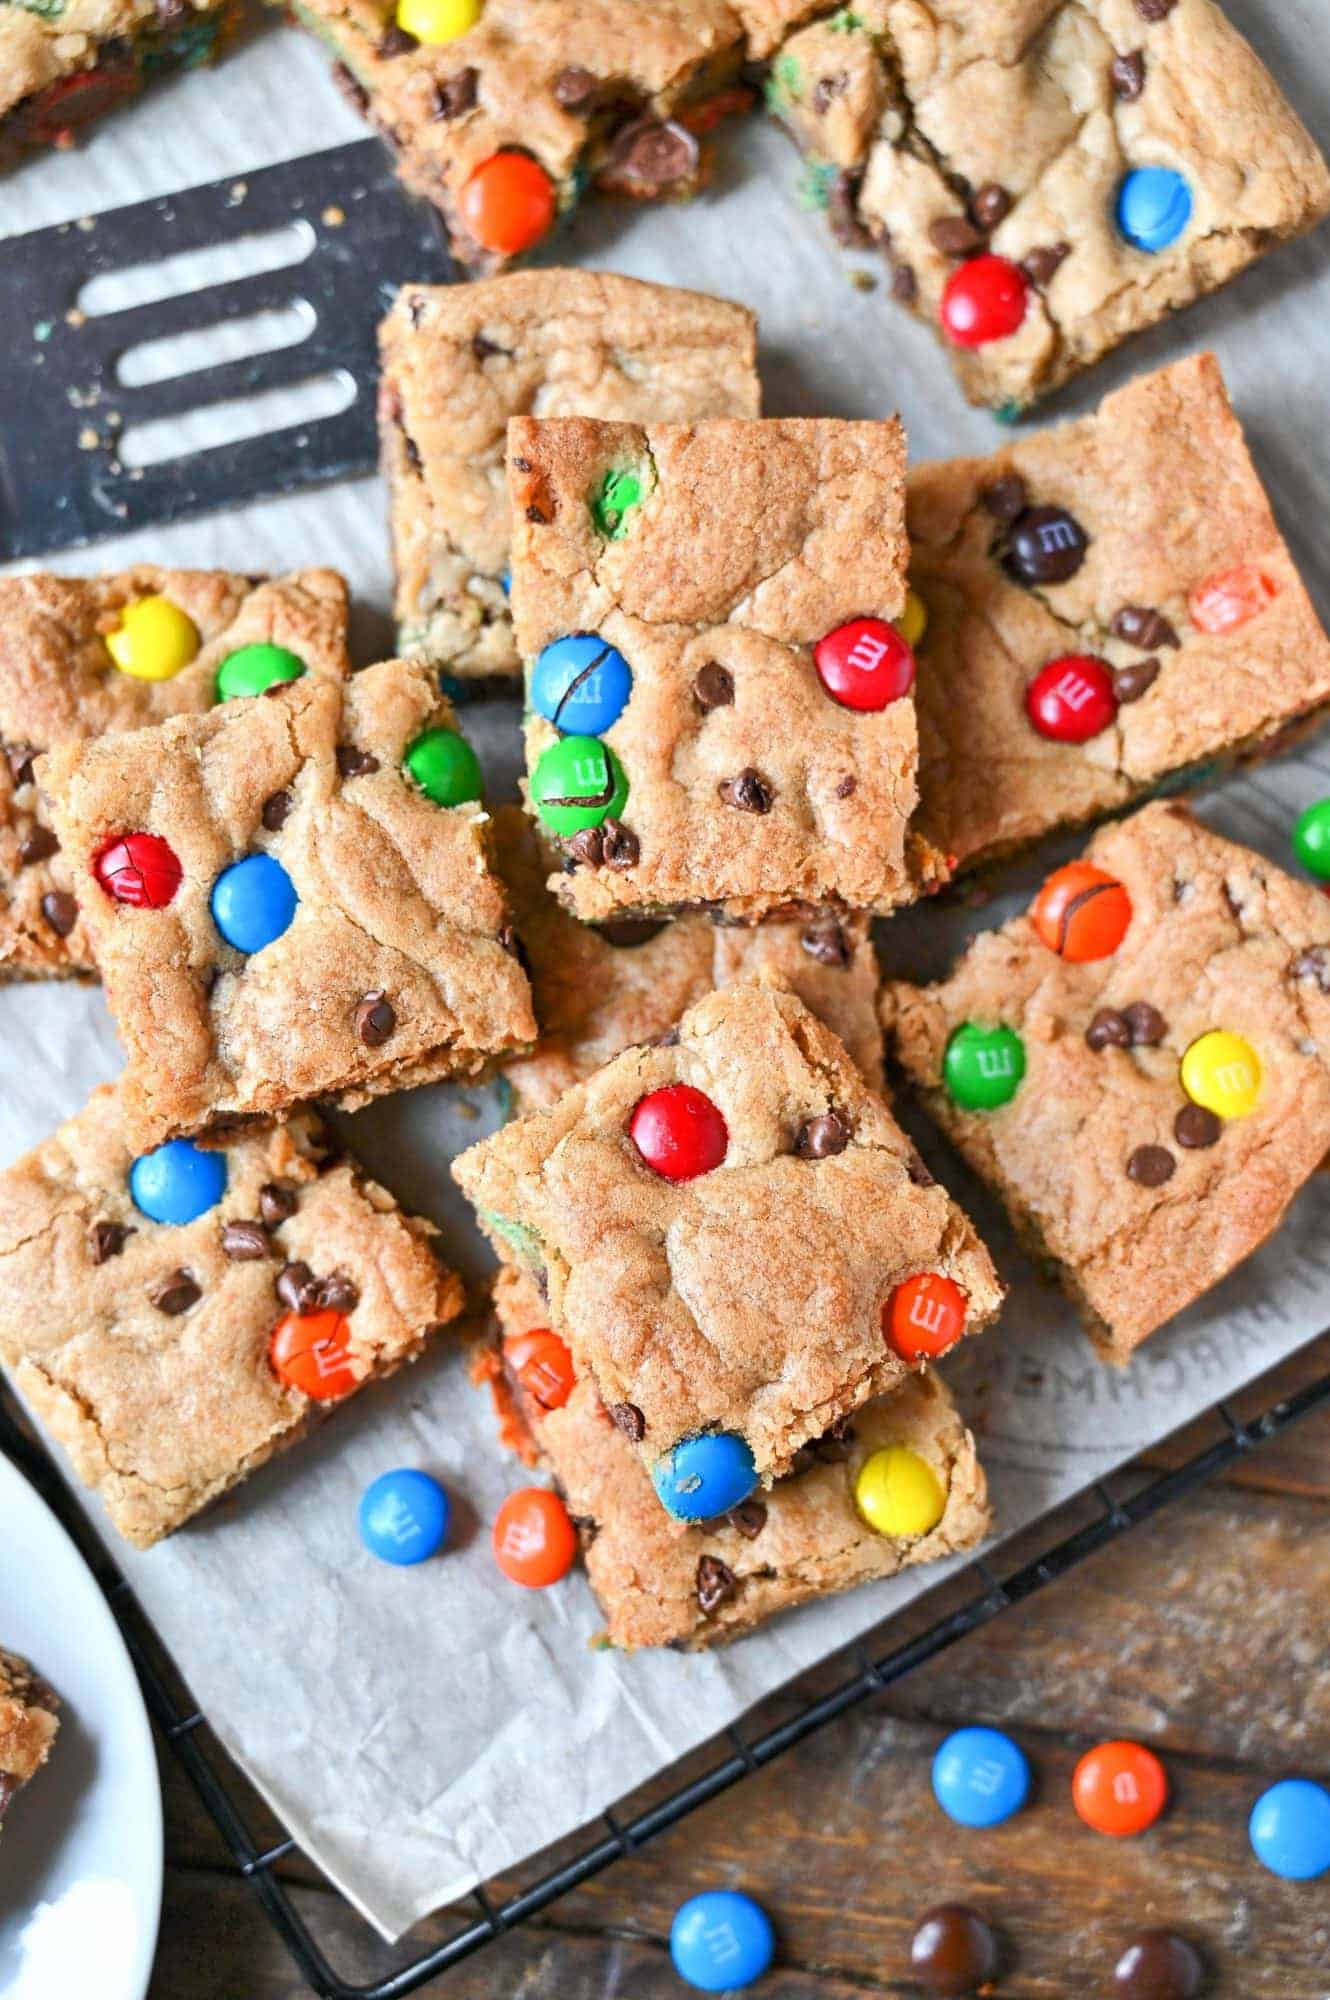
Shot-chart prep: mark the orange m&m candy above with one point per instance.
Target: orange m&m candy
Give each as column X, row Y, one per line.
column 508, row 203
column 1119, row 1788
column 542, row 1364
column 924, row 1317
column 1223, row 603
column 1081, row 913
column 311, row 1352
column 534, row 1538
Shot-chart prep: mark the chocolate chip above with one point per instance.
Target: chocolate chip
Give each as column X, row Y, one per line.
column 1041, row 264
column 1045, row 545
column 648, row 155
column 748, row 1519
column 351, row 88
column 522, row 464
column 395, row 41
column 245, row 1242
column 297, row 1288
column 276, row 811
column 573, row 87
column 716, row 1583
column 1128, row 74
column 176, row 1294
column 19, row 758
column 904, row 285
column 843, row 212
column 37, row 844
column 749, row 792
column 1147, row 1025
column 713, row 687
column 60, row 911
column 537, row 515
column 825, row 941
column 338, row 1294
column 107, row 1240
column 990, row 205
column 1314, row 964
column 354, row 763
column 918, row 1172
column 1151, row 1166
column 587, row 846
column 375, row 1020
column 1159, row 1965
column 1155, row 10
column 620, row 847
column 954, row 1951
column 1195, row 1127
column 955, row 236
column 847, row 786
column 822, row 1136
column 1006, row 498
column 1108, row 1030
column 1133, row 681
column 277, row 1202
column 626, row 933
column 629, row 1420
column 1142, row 626
column 455, row 94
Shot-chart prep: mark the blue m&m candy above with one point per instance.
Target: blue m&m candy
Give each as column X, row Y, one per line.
column 403, row 1516
column 177, row 1182
column 253, row 902
column 581, row 684
column 720, row 1940
column 1154, row 207
column 1290, row 1829
column 980, row 1777
column 704, row 1476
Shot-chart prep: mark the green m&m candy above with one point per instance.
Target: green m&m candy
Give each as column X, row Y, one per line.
column 619, row 493
column 983, row 1067
column 578, row 782
column 254, row 669
column 445, row 767
column 1311, row 840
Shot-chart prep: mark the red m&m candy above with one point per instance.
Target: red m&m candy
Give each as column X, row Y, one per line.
column 1081, row 913
column 542, row 1364
column 865, row 664
column 985, row 300
column 1223, row 603
column 1071, row 699
column 679, row 1132
column 508, row 204
column 534, row 1538
column 140, row 869
column 924, row 1317
column 1119, row 1788
column 311, row 1352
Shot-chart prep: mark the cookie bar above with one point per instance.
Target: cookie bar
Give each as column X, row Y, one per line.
column 82, row 656
column 599, row 991
column 721, row 711
column 291, row 898
column 806, row 1538
column 1140, row 1066
column 738, row 1243
column 1047, row 176
column 29, row 1723
column 1110, row 604
column 500, row 112
column 176, row 1318
column 65, row 63
column 460, row 360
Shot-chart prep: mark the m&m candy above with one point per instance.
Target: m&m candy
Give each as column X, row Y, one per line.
column 434, row 22
column 1119, row 1788
column 898, row 1493
column 311, row 1352
column 704, row 1476
column 983, row 1067
column 913, row 621
column 924, row 1317
column 980, row 1777
column 445, row 767
column 1154, row 207
column 542, row 1364
column 1081, row 913
column 1289, row 1829
column 864, row 665
column 985, row 300
column 954, row 1951
column 721, row 1940
column 534, row 1539
column 253, row 902
column 578, row 782
column 139, row 869
column 403, row 1517
column 1071, row 699
column 1226, row 602
column 508, row 203
column 581, row 684
column 154, row 640
column 620, row 491
column 1311, row 839
column 679, row 1132
column 177, row 1182
column 1222, row 1073
column 254, row 669
column 1159, row 1965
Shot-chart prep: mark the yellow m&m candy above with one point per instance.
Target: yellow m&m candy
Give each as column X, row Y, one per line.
column 1222, row 1072
column 913, row 621
column 898, row 1493
column 434, row 22
column 153, row 640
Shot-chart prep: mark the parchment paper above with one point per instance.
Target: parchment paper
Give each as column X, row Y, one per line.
column 421, row 1729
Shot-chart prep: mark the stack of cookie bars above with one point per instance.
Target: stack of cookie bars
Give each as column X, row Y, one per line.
column 778, row 685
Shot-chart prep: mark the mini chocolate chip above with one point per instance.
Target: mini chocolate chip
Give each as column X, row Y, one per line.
column 1155, row 10
column 1006, row 498
column 395, row 41
column 1195, row 1127
column 350, row 87
column 245, row 1242
column 1151, row 1166
column 843, row 212
column 1128, row 74
column 1133, row 681
column 19, row 758
column 990, row 205
column 587, row 846
column 375, row 1020
column 176, row 1294
column 1147, row 1025
column 1140, row 625
column 716, row 1583
column 846, row 786
column 822, row 1136
column 904, row 285
column 37, row 844
column 1314, row 964
column 629, row 1420
column 573, row 87
column 354, row 763
column 620, row 847
column 1108, row 1030
column 277, row 1202
column 455, row 94
column 276, row 811
column 748, row 1519
column 60, row 911
column 713, row 687
column 297, row 1288
column 107, row 1240
column 650, row 154
column 918, row 1172
column 522, row 464
column 536, row 514
column 1041, row 264
column 338, row 1294
column 825, row 941
column 955, row 236
column 827, row 89
column 749, row 792
column 1045, row 545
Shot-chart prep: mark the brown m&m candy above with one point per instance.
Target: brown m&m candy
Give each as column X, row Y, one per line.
column 1159, row 1965
column 954, row 1950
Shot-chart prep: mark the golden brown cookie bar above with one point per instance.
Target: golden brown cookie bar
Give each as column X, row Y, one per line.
column 28, row 1725
column 597, row 991
column 1110, row 603
column 503, row 124
column 1047, row 177
column 725, row 1224
column 291, row 898
column 1146, row 1114
column 460, row 360
column 62, row 643
column 804, row 1539
column 175, row 1319
column 721, row 710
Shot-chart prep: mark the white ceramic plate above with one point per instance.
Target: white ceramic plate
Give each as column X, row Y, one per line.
column 81, row 1853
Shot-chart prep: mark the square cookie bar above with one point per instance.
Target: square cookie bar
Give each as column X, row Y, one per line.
column 501, row 112
column 82, row 656
column 1047, row 176
column 896, row 1485
column 721, row 712
column 599, row 990
column 291, row 898
column 460, row 360
column 1140, row 1066
column 29, row 1723
column 739, row 1244
column 1109, row 605
column 177, row 1317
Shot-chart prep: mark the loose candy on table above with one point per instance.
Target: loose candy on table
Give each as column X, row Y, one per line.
column 899, row 1494
column 1311, row 839
column 578, row 782
column 1119, row 1788
column 980, row 1777
column 1082, row 913
column 543, row 1366
column 534, row 1538
column 177, row 1182
column 721, row 1940
column 581, row 684
column 508, row 203
column 1154, row 207
column 704, row 1476
column 924, row 1317
column 1289, row 1829
column 983, row 1067
column 1159, row 1965
column 679, row 1132
column 985, row 299
column 154, row 641
column 432, row 23
column 865, row 664
column 254, row 669
column 138, row 869
column 1072, row 699
column 311, row 1353
column 253, row 902
column 445, row 767
column 403, row 1516
column 954, row 1951
column 1222, row 1073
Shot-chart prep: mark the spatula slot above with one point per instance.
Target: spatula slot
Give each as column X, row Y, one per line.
column 194, row 270
column 210, row 346
column 237, row 418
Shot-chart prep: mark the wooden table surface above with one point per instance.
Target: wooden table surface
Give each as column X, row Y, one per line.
column 1204, row 1634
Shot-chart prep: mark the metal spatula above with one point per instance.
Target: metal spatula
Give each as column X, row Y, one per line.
column 66, row 414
